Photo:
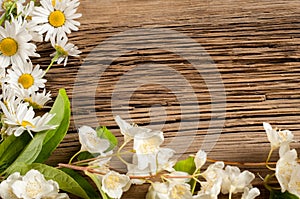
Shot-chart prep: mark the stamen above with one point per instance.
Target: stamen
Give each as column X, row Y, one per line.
column 26, row 80
column 8, row 46
column 57, row 18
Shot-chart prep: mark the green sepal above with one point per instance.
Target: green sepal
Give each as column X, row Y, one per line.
column 104, row 133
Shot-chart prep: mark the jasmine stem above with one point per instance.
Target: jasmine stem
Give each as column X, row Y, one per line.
column 243, row 163
column 268, row 158
column 230, row 195
column 79, row 168
column 70, row 161
column 96, row 158
column 195, row 181
column 119, row 153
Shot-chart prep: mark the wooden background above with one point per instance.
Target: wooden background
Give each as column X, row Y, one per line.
column 255, row 45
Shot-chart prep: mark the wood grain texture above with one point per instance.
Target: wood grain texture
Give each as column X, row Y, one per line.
column 254, row 44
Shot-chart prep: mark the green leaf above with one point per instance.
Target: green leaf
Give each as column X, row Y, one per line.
column 82, row 182
column 187, row 165
column 61, row 109
column 86, row 155
column 30, row 153
column 104, row 133
column 277, row 194
column 10, row 148
column 65, row 181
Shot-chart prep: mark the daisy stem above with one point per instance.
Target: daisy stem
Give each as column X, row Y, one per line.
column 70, row 161
column 52, row 62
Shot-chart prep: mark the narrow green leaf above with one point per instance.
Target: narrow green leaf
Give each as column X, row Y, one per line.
column 82, row 182
column 10, row 148
column 104, row 133
column 65, row 181
column 187, row 165
column 30, row 153
column 61, row 109
column 277, row 194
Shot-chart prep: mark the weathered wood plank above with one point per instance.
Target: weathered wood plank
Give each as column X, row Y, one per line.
column 254, row 44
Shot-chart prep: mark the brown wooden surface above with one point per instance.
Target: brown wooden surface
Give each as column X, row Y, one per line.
column 255, row 45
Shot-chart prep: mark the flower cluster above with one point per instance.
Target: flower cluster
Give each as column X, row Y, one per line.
column 149, row 159
column 22, row 82
column 287, row 169
column 30, row 186
column 23, row 25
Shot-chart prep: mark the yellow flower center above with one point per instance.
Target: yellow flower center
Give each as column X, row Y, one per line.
column 26, row 123
column 61, row 50
column 57, row 18
column 112, row 181
column 26, row 80
column 8, row 46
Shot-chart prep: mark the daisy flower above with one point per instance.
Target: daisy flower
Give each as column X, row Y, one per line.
column 8, row 95
column 56, row 17
column 63, row 49
column 26, row 76
column 36, row 99
column 26, row 12
column 22, row 119
column 14, row 43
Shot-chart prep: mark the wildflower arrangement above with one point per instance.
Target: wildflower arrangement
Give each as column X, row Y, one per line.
column 28, row 137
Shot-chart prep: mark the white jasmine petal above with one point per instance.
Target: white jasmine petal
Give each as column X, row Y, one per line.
column 250, row 193
column 114, row 184
column 90, row 141
column 158, row 190
column 181, row 191
column 284, row 168
column 129, row 131
column 200, row 159
column 147, row 146
column 234, row 181
column 33, row 185
column 6, row 190
column 294, row 183
column 276, row 138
